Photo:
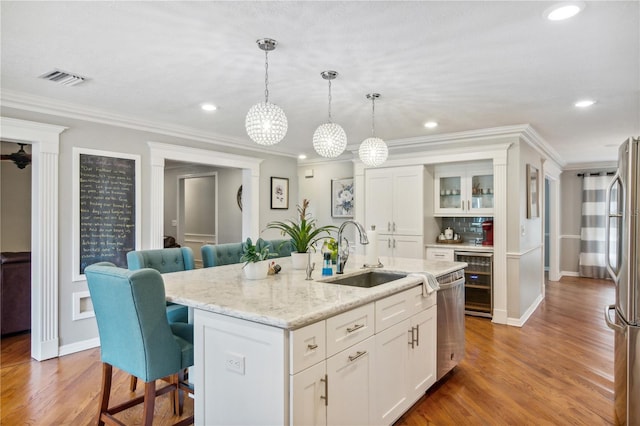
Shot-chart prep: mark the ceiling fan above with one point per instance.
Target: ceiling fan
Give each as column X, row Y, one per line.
column 20, row 158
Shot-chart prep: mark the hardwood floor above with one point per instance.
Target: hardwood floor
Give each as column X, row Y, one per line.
column 555, row 370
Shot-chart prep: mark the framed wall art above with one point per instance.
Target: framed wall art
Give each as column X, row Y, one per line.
column 342, row 197
column 533, row 191
column 279, row 193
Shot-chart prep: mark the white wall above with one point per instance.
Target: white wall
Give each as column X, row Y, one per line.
column 15, row 204
column 117, row 139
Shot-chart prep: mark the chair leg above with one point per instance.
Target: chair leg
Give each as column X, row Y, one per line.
column 133, row 381
column 105, row 391
column 149, row 402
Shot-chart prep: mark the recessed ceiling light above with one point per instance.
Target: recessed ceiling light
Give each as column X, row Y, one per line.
column 302, row 157
column 564, row 10
column 209, row 107
column 584, row 103
column 430, row 124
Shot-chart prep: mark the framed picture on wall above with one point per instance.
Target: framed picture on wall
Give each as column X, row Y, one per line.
column 342, row 197
column 533, row 189
column 279, row 193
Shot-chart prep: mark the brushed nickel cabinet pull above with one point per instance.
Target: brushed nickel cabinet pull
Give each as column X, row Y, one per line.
column 357, row 355
column 389, row 243
column 389, row 226
column 312, row 347
column 418, row 335
column 411, row 340
column 354, row 328
column 326, row 390
column 469, row 205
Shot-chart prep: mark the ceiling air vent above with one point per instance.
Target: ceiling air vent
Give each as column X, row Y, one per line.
column 63, row 77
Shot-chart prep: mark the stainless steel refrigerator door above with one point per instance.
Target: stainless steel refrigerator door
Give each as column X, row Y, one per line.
column 623, row 231
column 626, row 369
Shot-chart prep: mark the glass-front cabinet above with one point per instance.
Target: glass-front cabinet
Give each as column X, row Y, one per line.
column 463, row 190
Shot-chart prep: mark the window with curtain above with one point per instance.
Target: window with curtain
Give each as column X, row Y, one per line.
column 593, row 226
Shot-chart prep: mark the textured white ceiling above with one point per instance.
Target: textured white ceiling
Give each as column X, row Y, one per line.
column 467, row 65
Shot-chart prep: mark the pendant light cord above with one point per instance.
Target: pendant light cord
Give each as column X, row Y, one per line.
column 266, row 76
column 373, row 116
column 330, row 119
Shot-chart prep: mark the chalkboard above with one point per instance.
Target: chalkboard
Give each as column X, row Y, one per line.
column 107, row 209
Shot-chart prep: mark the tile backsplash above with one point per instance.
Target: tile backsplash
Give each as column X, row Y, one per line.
column 469, row 228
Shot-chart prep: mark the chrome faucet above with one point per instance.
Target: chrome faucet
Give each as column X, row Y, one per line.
column 343, row 255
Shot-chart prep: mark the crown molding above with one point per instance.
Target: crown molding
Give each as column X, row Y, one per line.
column 27, row 102
column 522, row 131
column 579, row 167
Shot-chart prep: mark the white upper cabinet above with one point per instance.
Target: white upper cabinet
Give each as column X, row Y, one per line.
column 394, row 203
column 463, row 190
column 394, row 200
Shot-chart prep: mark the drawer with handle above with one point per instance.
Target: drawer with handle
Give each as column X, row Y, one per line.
column 308, row 346
column 439, row 254
column 349, row 328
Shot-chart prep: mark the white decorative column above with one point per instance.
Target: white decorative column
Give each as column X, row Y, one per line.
column 45, row 141
column 500, row 238
column 156, row 208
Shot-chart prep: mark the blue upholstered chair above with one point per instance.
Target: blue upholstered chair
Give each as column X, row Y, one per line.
column 281, row 248
column 221, row 254
column 163, row 261
column 136, row 337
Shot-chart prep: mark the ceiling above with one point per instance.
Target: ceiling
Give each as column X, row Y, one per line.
column 467, row 65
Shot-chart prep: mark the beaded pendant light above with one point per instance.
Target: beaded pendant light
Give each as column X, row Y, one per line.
column 266, row 123
column 329, row 139
column 373, row 151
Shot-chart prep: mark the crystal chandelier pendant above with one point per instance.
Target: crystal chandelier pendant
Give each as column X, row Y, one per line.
column 329, row 139
column 266, row 123
column 373, row 151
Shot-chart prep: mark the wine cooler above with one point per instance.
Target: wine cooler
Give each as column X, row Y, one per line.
column 478, row 285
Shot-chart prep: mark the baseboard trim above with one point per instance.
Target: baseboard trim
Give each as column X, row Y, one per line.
column 79, row 346
column 569, row 274
column 519, row 322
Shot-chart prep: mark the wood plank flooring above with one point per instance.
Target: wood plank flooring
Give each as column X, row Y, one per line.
column 555, row 370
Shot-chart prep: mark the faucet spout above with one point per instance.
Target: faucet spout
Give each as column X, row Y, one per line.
column 343, row 255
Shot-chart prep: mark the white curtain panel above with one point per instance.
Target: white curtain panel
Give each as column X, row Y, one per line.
column 593, row 232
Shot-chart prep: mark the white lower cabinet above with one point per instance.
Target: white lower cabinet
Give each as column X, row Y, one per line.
column 405, row 365
column 365, row 366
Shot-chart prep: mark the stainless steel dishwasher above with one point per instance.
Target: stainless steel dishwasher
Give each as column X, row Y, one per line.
column 450, row 322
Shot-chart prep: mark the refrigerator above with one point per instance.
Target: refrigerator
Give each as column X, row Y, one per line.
column 621, row 254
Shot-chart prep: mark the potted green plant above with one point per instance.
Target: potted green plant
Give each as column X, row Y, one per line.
column 256, row 265
column 304, row 234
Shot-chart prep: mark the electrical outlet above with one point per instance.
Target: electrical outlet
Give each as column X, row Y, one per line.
column 234, row 362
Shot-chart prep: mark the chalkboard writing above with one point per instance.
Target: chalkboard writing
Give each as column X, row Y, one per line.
column 107, row 209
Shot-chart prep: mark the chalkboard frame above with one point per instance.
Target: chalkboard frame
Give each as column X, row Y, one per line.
column 77, row 152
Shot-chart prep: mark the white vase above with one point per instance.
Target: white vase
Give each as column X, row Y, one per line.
column 299, row 260
column 256, row 270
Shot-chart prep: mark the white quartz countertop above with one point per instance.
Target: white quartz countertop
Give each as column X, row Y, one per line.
column 287, row 300
column 466, row 246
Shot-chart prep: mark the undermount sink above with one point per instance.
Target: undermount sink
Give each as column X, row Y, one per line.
column 366, row 279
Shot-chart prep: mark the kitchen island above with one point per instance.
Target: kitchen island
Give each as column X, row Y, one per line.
column 285, row 350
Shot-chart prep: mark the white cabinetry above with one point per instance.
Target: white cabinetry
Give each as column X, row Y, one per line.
column 394, row 203
column 440, row 254
column 362, row 367
column 463, row 190
column 405, row 352
column 334, row 391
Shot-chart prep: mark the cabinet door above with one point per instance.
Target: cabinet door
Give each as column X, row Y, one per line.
column 350, row 385
column 391, row 373
column 385, row 247
column 448, row 193
column 480, row 193
column 408, row 246
column 308, row 397
column 378, row 206
column 422, row 357
column 407, row 201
